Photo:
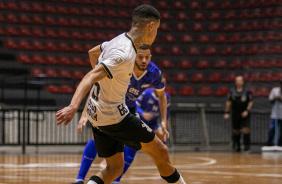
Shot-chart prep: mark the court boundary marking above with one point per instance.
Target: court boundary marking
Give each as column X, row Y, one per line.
column 185, row 168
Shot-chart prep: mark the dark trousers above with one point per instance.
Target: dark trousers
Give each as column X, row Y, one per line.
column 271, row 132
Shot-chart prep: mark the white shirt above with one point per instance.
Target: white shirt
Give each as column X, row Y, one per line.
column 274, row 93
column 106, row 104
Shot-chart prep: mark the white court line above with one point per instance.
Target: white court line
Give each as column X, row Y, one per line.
column 208, row 161
column 37, row 178
column 234, row 173
column 243, row 166
column 142, row 178
column 35, row 165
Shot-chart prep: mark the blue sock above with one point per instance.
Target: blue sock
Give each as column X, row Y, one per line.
column 129, row 155
column 89, row 155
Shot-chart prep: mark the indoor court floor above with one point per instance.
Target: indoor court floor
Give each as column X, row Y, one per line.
column 196, row 168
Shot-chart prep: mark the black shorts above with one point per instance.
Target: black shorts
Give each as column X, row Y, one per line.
column 239, row 122
column 131, row 131
column 133, row 111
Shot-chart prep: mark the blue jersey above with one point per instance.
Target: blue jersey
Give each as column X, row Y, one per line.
column 149, row 102
column 152, row 76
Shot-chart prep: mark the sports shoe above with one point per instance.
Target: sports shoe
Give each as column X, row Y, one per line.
column 247, row 150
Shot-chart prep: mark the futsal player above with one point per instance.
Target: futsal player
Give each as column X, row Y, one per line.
column 113, row 125
column 145, row 74
column 148, row 109
column 239, row 102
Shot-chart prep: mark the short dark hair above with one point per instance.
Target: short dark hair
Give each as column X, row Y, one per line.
column 145, row 47
column 143, row 14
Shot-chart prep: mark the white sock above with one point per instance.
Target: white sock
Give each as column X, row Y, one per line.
column 91, row 182
column 181, row 180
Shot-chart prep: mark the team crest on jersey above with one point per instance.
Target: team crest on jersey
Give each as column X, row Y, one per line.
column 150, row 101
column 145, row 85
column 243, row 98
column 117, row 61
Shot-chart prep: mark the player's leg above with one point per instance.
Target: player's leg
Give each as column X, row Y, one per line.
column 280, row 137
column 236, row 133
column 159, row 134
column 129, row 154
column 112, row 171
column 111, row 150
column 159, row 152
column 136, row 134
column 246, row 133
column 88, row 157
column 271, row 132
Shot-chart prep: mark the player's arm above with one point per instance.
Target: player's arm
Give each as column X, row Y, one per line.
column 94, row 54
column 249, row 106
column 162, row 104
column 250, row 103
column 228, row 105
column 227, row 109
column 140, row 106
column 66, row 114
column 83, row 119
column 163, row 110
column 168, row 114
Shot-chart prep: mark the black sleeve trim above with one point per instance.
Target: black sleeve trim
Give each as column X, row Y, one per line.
column 110, row 76
column 101, row 47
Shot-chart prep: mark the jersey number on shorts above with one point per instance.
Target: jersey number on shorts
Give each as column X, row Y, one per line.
column 96, row 91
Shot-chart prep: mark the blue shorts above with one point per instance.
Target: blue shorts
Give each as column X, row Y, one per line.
column 153, row 125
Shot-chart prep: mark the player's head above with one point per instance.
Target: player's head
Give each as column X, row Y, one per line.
column 143, row 57
column 147, row 18
column 239, row 81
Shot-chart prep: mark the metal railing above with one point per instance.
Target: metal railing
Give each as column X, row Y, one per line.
column 188, row 126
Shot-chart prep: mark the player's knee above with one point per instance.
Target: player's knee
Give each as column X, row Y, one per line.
column 163, row 152
column 116, row 170
column 246, row 130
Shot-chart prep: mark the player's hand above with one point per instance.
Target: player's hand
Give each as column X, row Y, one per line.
column 165, row 132
column 244, row 114
column 226, row 116
column 65, row 115
column 147, row 116
column 82, row 122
